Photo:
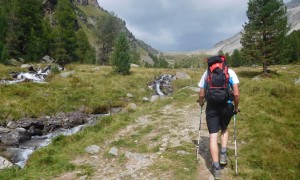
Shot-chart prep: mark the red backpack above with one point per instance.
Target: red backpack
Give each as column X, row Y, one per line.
column 217, row 89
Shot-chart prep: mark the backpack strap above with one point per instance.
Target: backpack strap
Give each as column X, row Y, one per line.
column 225, row 70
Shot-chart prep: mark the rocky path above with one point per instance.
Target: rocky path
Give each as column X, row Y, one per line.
column 171, row 127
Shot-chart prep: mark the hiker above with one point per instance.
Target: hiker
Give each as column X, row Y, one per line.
column 220, row 107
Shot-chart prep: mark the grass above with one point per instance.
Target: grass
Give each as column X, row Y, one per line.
column 182, row 166
column 268, row 125
column 90, row 88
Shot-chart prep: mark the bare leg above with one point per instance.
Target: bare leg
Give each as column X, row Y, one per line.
column 224, row 138
column 214, row 149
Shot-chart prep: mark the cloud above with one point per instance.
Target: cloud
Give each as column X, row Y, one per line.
column 178, row 25
column 162, row 36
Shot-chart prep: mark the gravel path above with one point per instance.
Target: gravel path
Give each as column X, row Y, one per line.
column 180, row 125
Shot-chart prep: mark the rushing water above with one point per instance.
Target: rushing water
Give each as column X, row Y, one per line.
column 19, row 155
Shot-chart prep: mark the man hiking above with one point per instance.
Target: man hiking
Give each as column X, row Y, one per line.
column 219, row 88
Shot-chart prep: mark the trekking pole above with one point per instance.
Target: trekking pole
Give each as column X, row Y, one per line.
column 198, row 143
column 235, row 146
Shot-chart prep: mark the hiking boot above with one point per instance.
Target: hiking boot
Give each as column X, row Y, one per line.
column 216, row 172
column 223, row 158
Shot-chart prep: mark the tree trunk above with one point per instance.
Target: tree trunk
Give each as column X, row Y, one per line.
column 265, row 68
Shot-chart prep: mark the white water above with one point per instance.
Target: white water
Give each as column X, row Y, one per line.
column 20, row 155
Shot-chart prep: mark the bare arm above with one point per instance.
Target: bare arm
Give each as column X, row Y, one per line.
column 201, row 97
column 236, row 99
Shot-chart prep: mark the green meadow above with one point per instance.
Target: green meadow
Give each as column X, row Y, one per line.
column 267, row 128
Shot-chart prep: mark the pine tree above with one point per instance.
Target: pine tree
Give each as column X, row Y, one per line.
column 30, row 20
column 13, row 28
column 121, row 58
column 84, row 51
column 228, row 59
column 264, row 35
column 236, row 59
column 64, row 38
column 295, row 45
column 3, row 27
column 107, row 29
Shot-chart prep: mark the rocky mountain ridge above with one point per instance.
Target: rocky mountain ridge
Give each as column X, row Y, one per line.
column 232, row 43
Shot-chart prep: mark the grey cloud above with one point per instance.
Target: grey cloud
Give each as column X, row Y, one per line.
column 180, row 25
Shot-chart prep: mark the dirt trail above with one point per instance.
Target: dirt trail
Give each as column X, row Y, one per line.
column 173, row 126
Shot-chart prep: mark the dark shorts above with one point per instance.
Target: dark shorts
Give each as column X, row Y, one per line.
column 218, row 116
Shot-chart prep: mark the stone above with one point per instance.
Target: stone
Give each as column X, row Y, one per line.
column 182, row 75
column 4, row 130
column 93, row 149
column 129, row 95
column 132, row 106
column 256, row 78
column 14, row 62
column 4, row 163
column 145, row 99
column 134, row 65
column 114, row 151
column 26, row 65
column 66, row 74
column 15, row 137
column 47, row 59
column 154, row 98
column 182, row 152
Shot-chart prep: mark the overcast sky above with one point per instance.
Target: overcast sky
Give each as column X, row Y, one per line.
column 180, row 25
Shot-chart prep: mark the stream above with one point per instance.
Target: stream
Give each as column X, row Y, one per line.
column 20, row 139
column 20, row 154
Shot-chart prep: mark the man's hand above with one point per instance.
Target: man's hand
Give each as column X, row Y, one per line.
column 201, row 103
column 236, row 111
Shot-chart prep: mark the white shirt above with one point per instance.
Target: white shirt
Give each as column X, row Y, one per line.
column 233, row 79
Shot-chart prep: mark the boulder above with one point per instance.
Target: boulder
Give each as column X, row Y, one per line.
column 26, row 123
column 47, row 59
column 15, row 137
column 4, row 131
column 129, row 95
column 114, row 151
column 14, row 62
column 182, row 75
column 154, row 98
column 4, row 163
column 256, row 78
column 132, row 106
column 93, row 149
column 145, row 99
column 65, row 120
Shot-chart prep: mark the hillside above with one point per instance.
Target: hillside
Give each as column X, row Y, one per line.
column 88, row 13
column 232, row 43
column 68, row 31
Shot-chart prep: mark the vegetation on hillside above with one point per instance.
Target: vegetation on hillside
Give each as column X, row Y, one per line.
column 28, row 32
column 65, row 30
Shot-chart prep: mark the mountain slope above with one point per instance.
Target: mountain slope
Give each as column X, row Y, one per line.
column 232, row 43
column 89, row 13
